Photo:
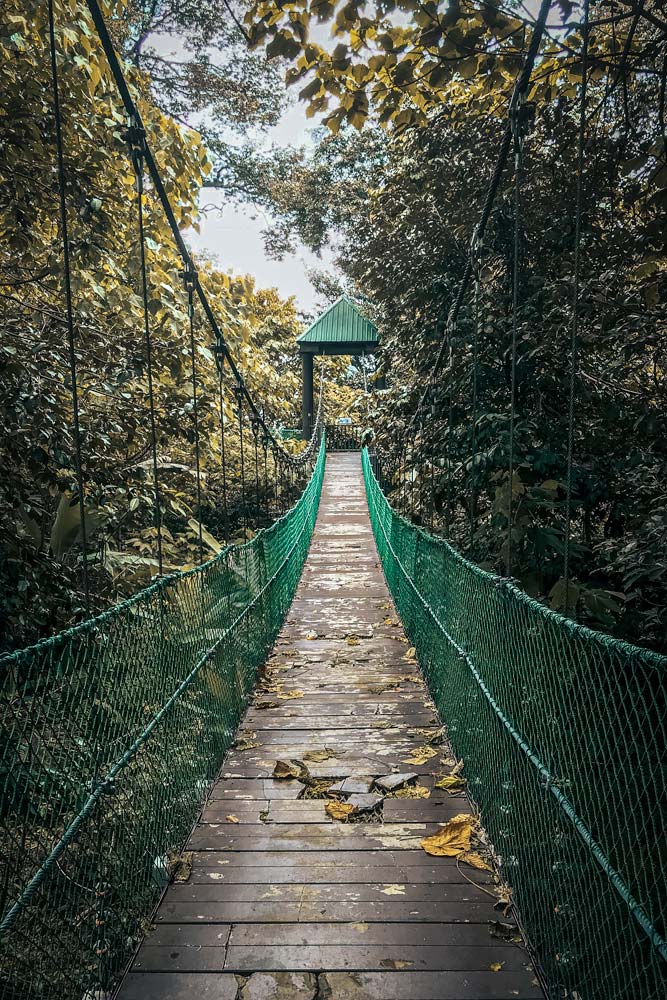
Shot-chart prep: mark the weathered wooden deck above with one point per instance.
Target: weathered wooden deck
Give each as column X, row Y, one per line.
column 284, row 902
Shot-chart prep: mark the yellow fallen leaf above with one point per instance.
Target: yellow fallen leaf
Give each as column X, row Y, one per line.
column 362, row 927
column 411, row 792
column 311, row 635
column 453, row 839
column 180, row 865
column 317, row 756
column 451, row 783
column 286, row 695
column 393, row 890
column 410, row 654
column 339, row 810
column 232, row 819
column 286, row 769
column 475, row 860
column 420, row 755
column 496, row 966
column 352, row 640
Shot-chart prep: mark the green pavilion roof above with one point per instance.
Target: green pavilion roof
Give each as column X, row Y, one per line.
column 341, row 323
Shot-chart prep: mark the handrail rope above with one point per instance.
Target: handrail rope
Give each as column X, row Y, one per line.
column 516, row 101
column 188, row 263
column 106, row 784
column 67, row 283
column 637, row 911
column 136, row 152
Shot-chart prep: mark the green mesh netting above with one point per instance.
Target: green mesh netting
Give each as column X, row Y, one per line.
column 111, row 735
column 563, row 733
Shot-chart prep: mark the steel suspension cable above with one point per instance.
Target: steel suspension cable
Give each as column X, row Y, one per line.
column 244, row 513
column 477, row 313
column 223, row 458
column 517, row 99
column 516, row 255
column 135, row 139
column 574, row 329
column 190, row 282
column 67, row 286
column 133, row 113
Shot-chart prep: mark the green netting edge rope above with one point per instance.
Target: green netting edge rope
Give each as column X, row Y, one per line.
column 373, row 493
column 314, row 488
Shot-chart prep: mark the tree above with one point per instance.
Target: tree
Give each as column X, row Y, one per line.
column 40, row 533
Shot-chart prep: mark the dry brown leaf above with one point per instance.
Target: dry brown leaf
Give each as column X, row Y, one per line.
column 393, row 890
column 453, row 839
column 339, row 810
column 411, row 792
column 475, row 860
column 420, row 755
column 317, row 756
column 246, row 745
column 287, row 695
column 180, row 865
column 232, row 819
column 286, row 769
column 451, row 783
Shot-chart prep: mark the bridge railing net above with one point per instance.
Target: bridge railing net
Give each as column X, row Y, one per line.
column 563, row 734
column 111, row 734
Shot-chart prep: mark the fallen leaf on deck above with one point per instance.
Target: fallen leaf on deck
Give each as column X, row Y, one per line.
column 506, row 932
column 393, row 890
column 317, row 756
column 311, row 635
column 232, row 819
column 262, row 705
column 391, row 621
column 362, row 927
column 411, row 792
column 496, row 966
column 410, row 654
column 352, row 640
column 179, row 866
column 453, row 839
column 475, row 860
column 451, row 783
column 395, row 963
column 339, row 810
column 286, row 769
column 246, row 745
column 420, row 755
column 286, row 695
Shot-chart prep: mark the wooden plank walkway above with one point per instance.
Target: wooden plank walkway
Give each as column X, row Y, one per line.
column 284, row 902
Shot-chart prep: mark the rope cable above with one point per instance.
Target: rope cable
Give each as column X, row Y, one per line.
column 190, row 281
column 67, row 285
column 517, row 98
column 135, row 139
column 574, row 329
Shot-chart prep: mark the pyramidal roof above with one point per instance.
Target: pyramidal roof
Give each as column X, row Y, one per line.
column 341, row 323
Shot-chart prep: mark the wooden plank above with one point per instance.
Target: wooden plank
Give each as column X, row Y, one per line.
column 356, row 958
column 180, row 986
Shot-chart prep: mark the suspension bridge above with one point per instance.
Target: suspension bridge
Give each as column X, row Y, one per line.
column 338, row 759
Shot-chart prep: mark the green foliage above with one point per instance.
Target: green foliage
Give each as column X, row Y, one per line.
column 39, row 533
column 404, row 207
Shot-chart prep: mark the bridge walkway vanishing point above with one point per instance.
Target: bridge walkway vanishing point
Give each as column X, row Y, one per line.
column 282, row 901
